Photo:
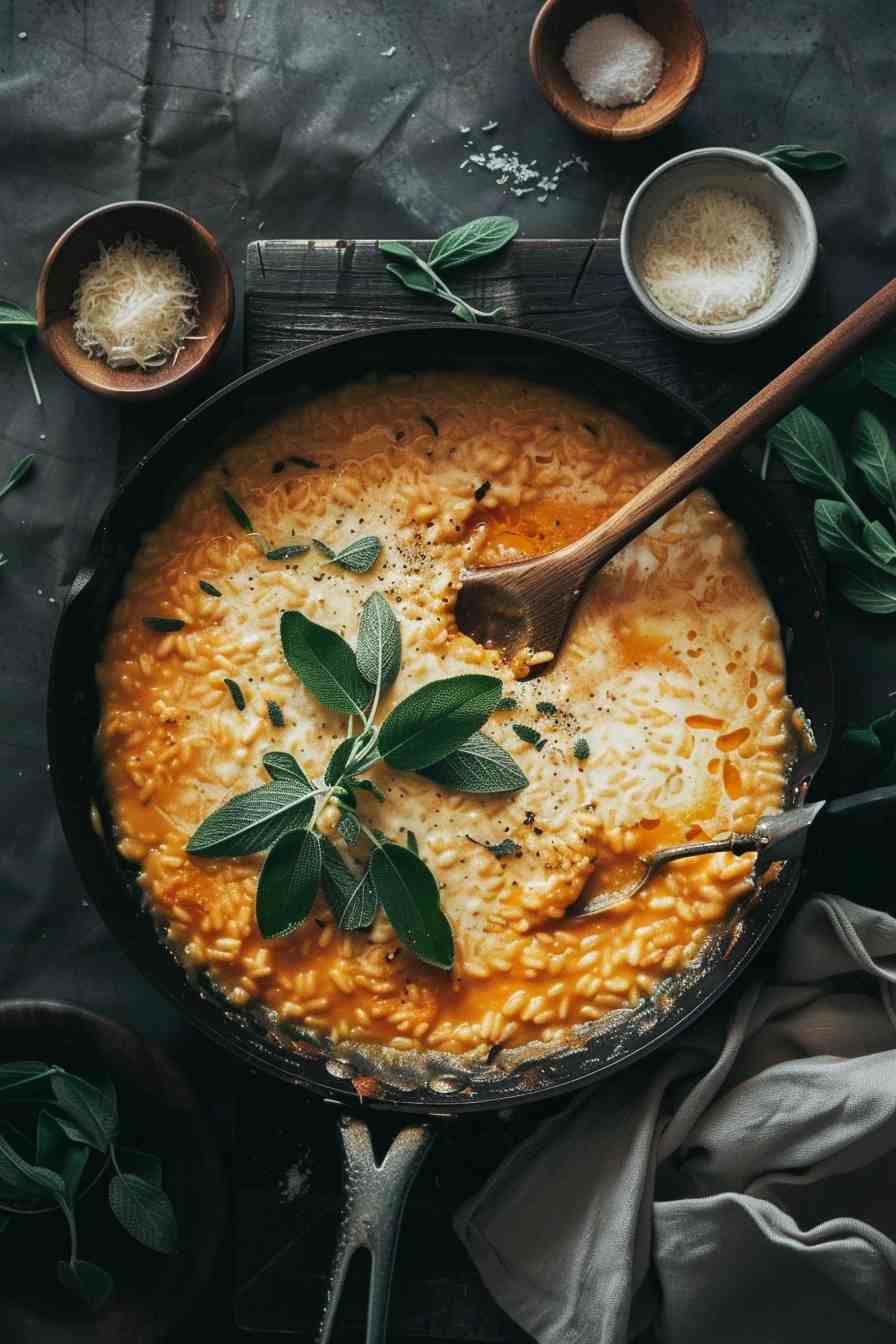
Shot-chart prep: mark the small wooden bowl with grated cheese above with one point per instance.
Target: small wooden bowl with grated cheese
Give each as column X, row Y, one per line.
column 135, row 300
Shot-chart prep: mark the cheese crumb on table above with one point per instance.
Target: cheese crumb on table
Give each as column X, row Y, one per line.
column 614, row 61
column 710, row 258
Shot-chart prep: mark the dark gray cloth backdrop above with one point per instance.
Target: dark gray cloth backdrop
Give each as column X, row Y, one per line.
column 282, row 118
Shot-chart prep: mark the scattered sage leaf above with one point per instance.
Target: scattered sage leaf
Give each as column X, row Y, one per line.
column 288, row 883
column 378, row 651
column 209, row 588
column 133, row 1162
column 17, row 473
column 286, row 552
column 24, row 1073
column 255, row 820
column 349, row 828
column 281, row 765
column 872, row 591
column 163, row 625
column 809, row 450
column 879, row 364
column 90, row 1282
column 359, row 555
column 479, row 765
column 580, row 749
column 307, row 462
column 507, row 702
column 874, row 455
column 144, row 1211
column 323, row 548
column 803, row 159
column 237, row 512
column 349, row 895
column 530, row 735
column 400, row 250
column 469, row 242
column 414, row 279
column 546, row 707
column 879, row 543
column 236, row 692
column 481, row 491
column 93, row 1109
column 408, row 893
column 503, row 849
column 275, row 714
column 323, row 661
column 436, row 719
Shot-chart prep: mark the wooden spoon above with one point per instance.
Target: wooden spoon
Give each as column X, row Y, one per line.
column 524, row 607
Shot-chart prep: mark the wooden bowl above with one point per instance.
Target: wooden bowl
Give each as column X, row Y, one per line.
column 79, row 246
column 673, row 24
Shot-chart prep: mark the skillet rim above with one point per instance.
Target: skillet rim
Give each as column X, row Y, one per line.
column 206, row 1012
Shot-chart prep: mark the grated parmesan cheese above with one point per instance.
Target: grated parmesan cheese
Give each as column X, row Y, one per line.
column 711, row 257
column 135, row 305
column 614, row 61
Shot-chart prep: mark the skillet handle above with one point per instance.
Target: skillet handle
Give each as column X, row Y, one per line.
column 374, row 1204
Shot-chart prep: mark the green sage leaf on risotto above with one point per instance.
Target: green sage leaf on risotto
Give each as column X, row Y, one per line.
column 479, row 765
column 436, row 719
column 253, row 821
column 507, row 702
column 94, row 1109
column 581, row 749
column 163, row 625
column 323, row 661
column 874, row 455
column 409, row 895
column 236, row 693
column 281, row 765
column 808, row 449
column 337, row 762
column 349, row 828
column 275, row 714
column 471, row 241
column 359, row 555
column 90, row 1282
column 286, row 552
column 530, row 735
column 237, row 512
column 349, row 895
column 288, row 883
column 209, row 588
column 503, row 849
column 144, row 1211
column 378, row 652
column 412, row 843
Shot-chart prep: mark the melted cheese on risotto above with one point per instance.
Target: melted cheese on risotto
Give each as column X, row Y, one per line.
column 672, row 671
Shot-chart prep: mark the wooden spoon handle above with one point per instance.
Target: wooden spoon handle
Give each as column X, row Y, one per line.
column 757, row 414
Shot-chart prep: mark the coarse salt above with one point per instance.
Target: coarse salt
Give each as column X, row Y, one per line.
column 711, row 257
column 614, row 61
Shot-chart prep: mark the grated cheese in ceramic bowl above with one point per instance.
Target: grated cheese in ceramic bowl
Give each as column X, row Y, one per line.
column 135, row 305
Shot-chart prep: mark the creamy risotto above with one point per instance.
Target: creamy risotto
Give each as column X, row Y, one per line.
column 673, row 673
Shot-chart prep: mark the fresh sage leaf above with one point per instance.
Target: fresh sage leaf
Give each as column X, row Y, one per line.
column 55, row 1150
column 359, row 555
column 809, row 450
column 90, row 1282
column 530, row 735
column 237, row 512
column 400, row 250
column 286, row 552
column 337, row 762
column 26, row 1073
column 133, row 1162
column 288, row 883
column 163, row 625
column 349, row 828
column 275, row 714
column 408, row 893
column 871, row 590
column 803, row 159
column 17, row 473
column 847, row 541
column 236, row 693
column 281, row 765
column 479, row 765
column 209, row 588
column 412, row 843
column 503, row 849
column 27, row 1179
column 581, row 749
column 323, row 548
column 436, row 719
column 18, row 328
column 253, row 821
column 144, row 1211
column 414, row 279
column 875, row 457
column 323, row 661
column 378, row 653
column 93, row 1109
column 471, row 241
column 350, row 896
column 879, row 365
column 879, row 543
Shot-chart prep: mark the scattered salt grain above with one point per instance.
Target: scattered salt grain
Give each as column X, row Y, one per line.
column 390, row 51
column 520, row 176
column 21, row 36
column 490, row 126
column 464, row 130
column 614, row 61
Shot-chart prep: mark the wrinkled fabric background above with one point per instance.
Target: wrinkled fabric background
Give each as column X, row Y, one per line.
column 281, row 118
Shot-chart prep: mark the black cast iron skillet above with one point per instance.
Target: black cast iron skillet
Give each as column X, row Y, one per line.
column 424, row 1083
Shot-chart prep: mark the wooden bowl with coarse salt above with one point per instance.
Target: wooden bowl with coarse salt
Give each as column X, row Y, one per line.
column 672, row 23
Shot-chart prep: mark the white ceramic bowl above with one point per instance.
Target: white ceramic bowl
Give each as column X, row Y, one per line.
column 759, row 181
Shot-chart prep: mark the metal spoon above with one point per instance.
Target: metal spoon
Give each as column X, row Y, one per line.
column 527, row 605
column 782, row 836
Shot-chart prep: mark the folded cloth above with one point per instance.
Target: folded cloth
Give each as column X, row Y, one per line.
column 740, row 1185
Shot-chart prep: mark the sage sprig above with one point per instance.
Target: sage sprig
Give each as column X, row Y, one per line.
column 76, row 1120
column 17, row 473
column 804, row 159
column 479, row 238
column 435, row 731
column 19, row 328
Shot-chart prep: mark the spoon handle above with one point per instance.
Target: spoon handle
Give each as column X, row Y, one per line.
column 761, row 411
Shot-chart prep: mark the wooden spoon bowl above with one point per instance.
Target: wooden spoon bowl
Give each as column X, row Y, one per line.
column 80, row 245
column 674, row 25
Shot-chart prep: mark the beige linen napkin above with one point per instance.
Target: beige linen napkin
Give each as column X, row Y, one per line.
column 738, row 1186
